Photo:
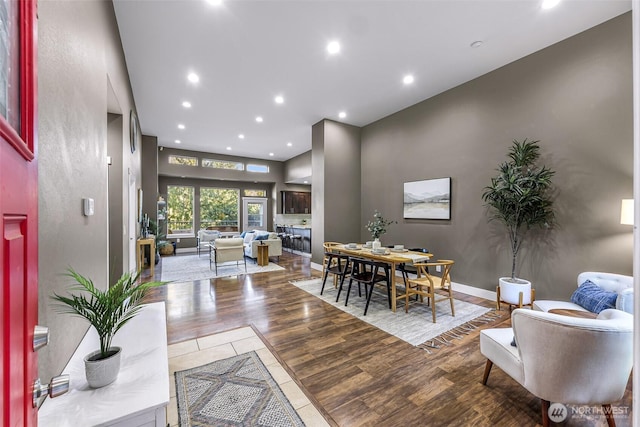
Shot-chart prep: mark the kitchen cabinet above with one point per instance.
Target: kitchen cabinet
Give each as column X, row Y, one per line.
column 296, row 202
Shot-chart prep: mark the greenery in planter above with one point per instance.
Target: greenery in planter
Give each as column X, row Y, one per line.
column 379, row 225
column 520, row 196
column 107, row 311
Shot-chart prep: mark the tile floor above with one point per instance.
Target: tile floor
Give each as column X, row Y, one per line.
column 190, row 354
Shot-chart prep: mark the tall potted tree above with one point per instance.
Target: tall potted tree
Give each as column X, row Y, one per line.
column 520, row 197
column 107, row 311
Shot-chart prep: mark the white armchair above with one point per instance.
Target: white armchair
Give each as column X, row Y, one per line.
column 228, row 250
column 205, row 237
column 622, row 285
column 564, row 359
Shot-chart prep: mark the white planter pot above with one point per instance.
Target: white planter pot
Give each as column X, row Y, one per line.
column 510, row 290
column 376, row 244
column 102, row 372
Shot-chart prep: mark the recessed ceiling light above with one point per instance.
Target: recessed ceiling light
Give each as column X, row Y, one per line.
column 305, row 182
column 259, row 119
column 228, row 148
column 408, row 79
column 271, row 154
column 214, row 2
column 548, row 4
column 279, row 99
column 180, row 126
column 186, row 104
column 177, row 141
column 333, row 47
column 241, row 136
column 289, row 144
column 476, row 44
column 193, row 78
column 342, row 114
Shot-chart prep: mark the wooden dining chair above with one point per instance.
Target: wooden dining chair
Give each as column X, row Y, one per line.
column 329, row 247
column 426, row 285
column 338, row 265
column 367, row 273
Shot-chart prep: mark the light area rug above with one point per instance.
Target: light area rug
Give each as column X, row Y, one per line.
column 415, row 327
column 191, row 267
column 237, row 391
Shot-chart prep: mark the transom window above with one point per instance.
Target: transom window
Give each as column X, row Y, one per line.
column 183, row 160
column 222, row 164
column 257, row 168
column 255, row 193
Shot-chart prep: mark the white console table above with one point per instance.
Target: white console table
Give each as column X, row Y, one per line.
column 140, row 394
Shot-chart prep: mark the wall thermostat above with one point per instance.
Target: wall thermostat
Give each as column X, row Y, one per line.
column 87, row 206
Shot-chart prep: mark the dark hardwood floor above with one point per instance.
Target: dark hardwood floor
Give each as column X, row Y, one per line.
column 356, row 374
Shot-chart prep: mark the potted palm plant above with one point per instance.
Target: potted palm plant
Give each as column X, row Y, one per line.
column 107, row 311
column 519, row 197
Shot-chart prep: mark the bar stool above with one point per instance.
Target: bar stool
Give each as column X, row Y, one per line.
column 294, row 239
column 282, row 234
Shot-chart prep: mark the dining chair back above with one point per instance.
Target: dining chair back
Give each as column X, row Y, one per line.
column 336, row 264
column 426, row 285
column 367, row 273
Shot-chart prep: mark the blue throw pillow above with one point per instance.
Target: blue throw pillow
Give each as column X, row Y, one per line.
column 593, row 298
column 244, row 233
column 262, row 236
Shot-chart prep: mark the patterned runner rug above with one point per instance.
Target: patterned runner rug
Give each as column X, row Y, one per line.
column 238, row 391
column 416, row 326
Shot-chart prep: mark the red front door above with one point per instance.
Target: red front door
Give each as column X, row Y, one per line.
column 18, row 211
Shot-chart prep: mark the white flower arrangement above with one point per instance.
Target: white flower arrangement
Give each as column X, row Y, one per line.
column 378, row 226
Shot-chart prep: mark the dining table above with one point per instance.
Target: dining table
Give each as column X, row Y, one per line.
column 391, row 256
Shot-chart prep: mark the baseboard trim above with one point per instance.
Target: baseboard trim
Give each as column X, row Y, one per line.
column 458, row 287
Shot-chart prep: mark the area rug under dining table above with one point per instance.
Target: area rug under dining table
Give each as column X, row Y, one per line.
column 186, row 268
column 416, row 326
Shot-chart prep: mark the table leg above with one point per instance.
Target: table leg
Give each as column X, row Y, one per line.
column 152, row 255
column 393, row 287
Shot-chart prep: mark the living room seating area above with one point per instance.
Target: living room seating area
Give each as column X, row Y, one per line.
column 259, row 237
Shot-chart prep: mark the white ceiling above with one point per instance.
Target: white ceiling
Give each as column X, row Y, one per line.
column 248, row 51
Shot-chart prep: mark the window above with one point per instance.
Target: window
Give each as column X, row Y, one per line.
column 257, row 168
column 219, row 208
column 183, row 160
column 10, row 60
column 255, row 193
column 222, row 164
column 180, row 210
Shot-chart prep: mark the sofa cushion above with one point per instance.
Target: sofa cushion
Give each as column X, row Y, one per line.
column 594, row 298
column 248, row 237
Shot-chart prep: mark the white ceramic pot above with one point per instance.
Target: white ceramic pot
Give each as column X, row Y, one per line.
column 510, row 290
column 102, row 372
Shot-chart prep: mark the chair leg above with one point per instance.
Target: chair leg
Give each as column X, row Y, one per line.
column 346, row 301
column 453, row 311
column 245, row 264
column 369, row 293
column 487, row 370
column 608, row 414
column 324, row 280
column 545, row 413
column 432, row 300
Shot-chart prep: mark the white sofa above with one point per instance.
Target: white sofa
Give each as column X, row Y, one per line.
column 251, row 244
column 622, row 285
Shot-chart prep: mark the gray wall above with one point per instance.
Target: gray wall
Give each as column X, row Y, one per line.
column 335, row 191
column 576, row 97
column 79, row 50
column 298, row 167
